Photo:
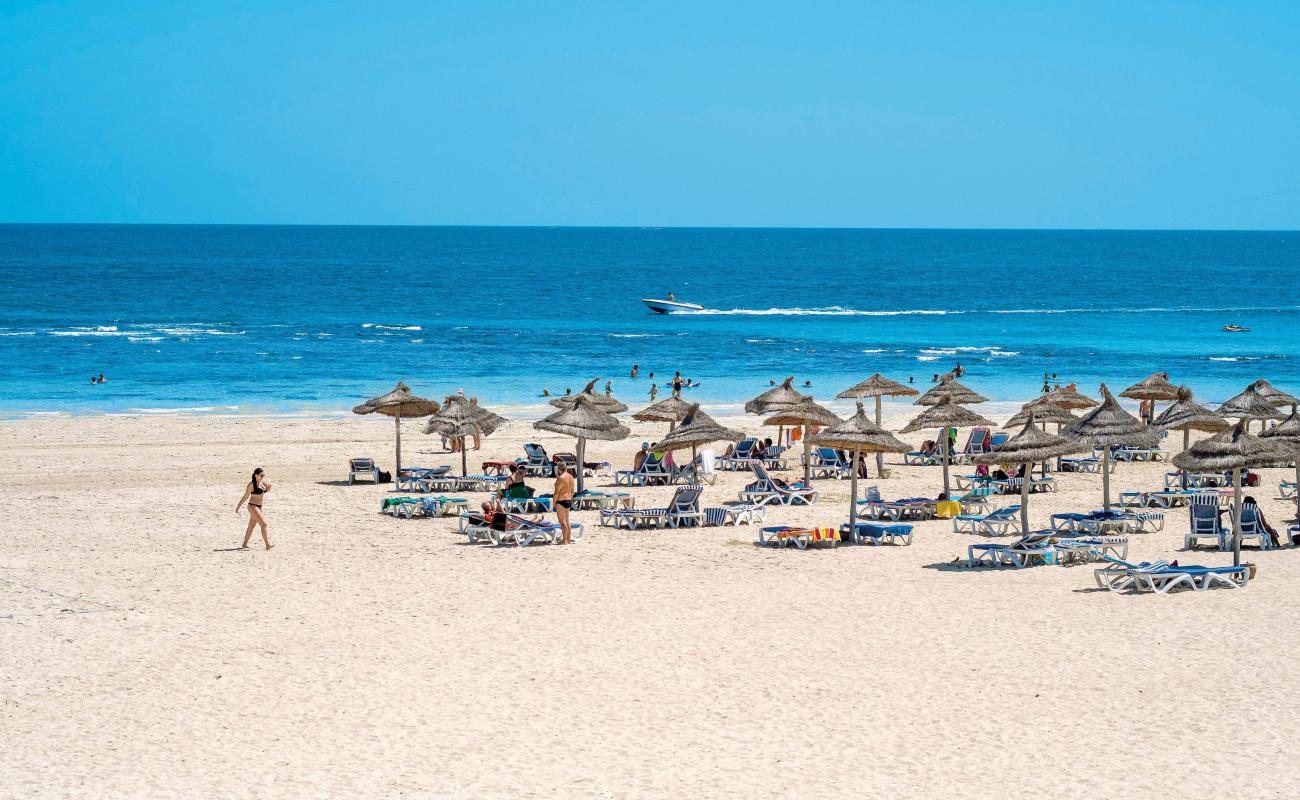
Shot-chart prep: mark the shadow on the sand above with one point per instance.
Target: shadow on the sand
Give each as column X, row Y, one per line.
column 232, row 549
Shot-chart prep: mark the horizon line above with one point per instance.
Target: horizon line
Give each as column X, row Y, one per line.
column 638, row 227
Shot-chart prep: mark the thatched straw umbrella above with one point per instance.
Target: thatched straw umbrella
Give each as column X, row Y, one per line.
column 1275, row 395
column 397, row 404
column 946, row 414
column 1251, row 404
column 459, row 419
column 1155, row 386
column 775, row 399
column 671, row 409
column 1186, row 415
column 1044, row 411
column 489, row 421
column 583, row 421
column 1288, row 431
column 877, row 386
column 1234, row 450
column 859, row 434
column 1026, row 448
column 1069, row 399
column 1107, row 426
column 604, row 402
column 806, row 412
column 949, row 389
column 697, row 428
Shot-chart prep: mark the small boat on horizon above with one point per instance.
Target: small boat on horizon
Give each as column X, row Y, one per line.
column 1234, row 329
column 671, row 306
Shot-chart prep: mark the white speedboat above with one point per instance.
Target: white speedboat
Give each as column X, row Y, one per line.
column 671, row 306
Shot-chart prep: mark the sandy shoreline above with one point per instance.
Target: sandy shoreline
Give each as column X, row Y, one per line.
column 367, row 656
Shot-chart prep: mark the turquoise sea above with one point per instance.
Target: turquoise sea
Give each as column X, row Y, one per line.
column 261, row 319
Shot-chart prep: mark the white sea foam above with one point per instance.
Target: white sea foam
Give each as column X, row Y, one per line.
column 183, row 410
column 195, row 331
column 391, row 327
column 634, row 335
column 144, row 338
column 17, row 333
column 828, row 311
column 927, row 358
column 875, row 350
column 102, row 330
column 940, row 351
column 1004, row 353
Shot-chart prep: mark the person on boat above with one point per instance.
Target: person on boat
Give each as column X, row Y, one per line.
column 672, row 297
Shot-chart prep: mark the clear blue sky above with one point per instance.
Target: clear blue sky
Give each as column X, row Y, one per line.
column 1087, row 115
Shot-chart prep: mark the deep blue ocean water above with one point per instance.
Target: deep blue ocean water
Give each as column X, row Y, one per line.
column 264, row 319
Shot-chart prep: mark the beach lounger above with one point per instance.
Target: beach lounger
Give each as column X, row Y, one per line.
column 1286, row 490
column 767, row 490
column 1028, row 549
column 527, row 532
column 735, row 514
column 652, row 471
column 1204, row 522
column 538, row 463
column 927, row 456
column 362, row 468
column 1005, row 520
column 802, row 538
column 998, row 438
column 1116, row 575
column 876, row 533
column 827, row 462
column 976, row 499
column 1075, row 549
column 975, row 445
column 740, row 456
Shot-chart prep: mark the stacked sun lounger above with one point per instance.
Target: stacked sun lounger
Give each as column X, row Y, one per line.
column 1161, row 577
column 876, row 533
column 409, row 507
column 736, row 514
column 1002, row 521
column 802, row 538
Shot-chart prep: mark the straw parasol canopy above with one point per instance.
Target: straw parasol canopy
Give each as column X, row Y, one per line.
column 583, row 421
column 489, row 421
column 1108, row 426
column 774, row 399
column 1043, row 411
column 1234, row 450
column 1068, row 398
column 697, row 428
column 397, row 404
column 1028, row 447
column 945, row 414
column 671, row 409
column 1275, row 395
column 1186, row 415
column 859, row 434
column 877, row 386
column 604, row 402
column 1288, row 432
column 1251, row 404
column 1155, row 386
column 458, row 419
column 805, row 412
column 950, row 389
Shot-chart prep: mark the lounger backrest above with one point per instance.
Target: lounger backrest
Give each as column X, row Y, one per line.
column 686, row 498
column 873, row 495
column 1249, row 516
column 998, row 438
column 977, row 438
column 359, row 464
column 745, row 447
column 760, row 472
column 536, row 453
column 653, row 461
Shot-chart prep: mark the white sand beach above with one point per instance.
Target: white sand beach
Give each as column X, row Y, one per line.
column 367, row 656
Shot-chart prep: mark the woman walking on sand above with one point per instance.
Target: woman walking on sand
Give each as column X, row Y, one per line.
column 253, row 494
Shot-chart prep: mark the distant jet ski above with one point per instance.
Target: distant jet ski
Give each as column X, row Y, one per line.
column 1228, row 328
column 670, row 306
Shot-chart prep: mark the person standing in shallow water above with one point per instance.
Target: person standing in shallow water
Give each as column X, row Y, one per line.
column 253, row 494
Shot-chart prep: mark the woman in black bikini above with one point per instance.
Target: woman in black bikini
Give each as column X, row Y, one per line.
column 253, row 494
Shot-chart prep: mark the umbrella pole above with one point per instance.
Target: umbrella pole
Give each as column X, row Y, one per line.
column 807, row 458
column 695, row 471
column 582, row 456
column 880, row 456
column 1025, row 472
column 397, row 420
column 943, row 436
column 464, row 462
column 1105, row 479
column 1236, row 517
column 853, row 498
column 1187, row 441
